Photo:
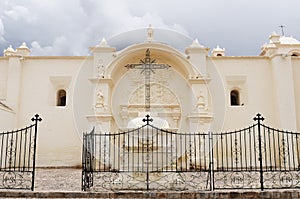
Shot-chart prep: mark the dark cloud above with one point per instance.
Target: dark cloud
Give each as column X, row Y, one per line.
column 69, row 27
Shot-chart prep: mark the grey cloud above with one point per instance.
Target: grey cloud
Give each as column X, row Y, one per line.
column 239, row 26
column 1, row 32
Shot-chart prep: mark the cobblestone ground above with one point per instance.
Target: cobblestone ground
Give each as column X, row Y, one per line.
column 57, row 179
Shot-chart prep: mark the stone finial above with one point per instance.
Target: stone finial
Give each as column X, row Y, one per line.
column 196, row 44
column 274, row 38
column 218, row 51
column 196, row 47
column 103, row 43
column 150, row 33
column 102, row 47
column 23, row 45
column 9, row 51
column 23, row 50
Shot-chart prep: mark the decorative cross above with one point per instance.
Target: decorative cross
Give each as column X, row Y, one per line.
column 147, row 119
column 36, row 118
column 282, row 31
column 258, row 118
column 147, row 65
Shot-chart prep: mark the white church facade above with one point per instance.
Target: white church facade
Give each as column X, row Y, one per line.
column 190, row 89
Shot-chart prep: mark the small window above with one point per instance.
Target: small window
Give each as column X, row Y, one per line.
column 61, row 98
column 234, row 98
column 219, row 55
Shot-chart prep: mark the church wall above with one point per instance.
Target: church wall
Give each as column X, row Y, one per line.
column 7, row 120
column 296, row 73
column 8, row 117
column 3, row 78
column 251, row 77
column 58, row 141
column 30, row 85
column 83, row 97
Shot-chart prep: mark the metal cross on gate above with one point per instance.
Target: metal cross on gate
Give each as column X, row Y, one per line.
column 147, row 65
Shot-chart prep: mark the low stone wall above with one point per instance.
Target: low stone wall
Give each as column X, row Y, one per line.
column 281, row 194
column 66, row 183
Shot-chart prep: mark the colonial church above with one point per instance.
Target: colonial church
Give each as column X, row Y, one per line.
column 183, row 85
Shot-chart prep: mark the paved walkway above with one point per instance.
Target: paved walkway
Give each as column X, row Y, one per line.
column 57, row 179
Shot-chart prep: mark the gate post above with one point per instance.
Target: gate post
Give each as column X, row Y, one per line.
column 35, row 119
column 88, row 159
column 211, row 161
column 259, row 118
column 147, row 119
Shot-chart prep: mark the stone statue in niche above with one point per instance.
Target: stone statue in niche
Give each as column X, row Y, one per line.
column 201, row 105
column 100, row 106
column 101, row 71
column 150, row 33
column 99, row 100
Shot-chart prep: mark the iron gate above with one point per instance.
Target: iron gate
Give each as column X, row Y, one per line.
column 17, row 157
column 256, row 157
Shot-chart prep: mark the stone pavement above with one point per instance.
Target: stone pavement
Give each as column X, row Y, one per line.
column 57, row 179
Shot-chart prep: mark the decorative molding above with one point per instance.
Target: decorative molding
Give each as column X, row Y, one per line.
column 201, row 117
column 99, row 117
column 236, row 79
column 199, row 80
column 102, row 81
column 60, row 82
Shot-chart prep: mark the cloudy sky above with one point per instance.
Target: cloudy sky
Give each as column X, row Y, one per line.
column 69, row 27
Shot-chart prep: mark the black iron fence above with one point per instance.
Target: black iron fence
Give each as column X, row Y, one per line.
column 17, row 157
column 256, row 157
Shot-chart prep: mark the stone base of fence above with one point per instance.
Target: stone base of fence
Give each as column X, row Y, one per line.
column 66, row 183
column 286, row 194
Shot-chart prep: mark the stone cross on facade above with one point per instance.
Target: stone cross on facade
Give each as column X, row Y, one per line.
column 147, row 65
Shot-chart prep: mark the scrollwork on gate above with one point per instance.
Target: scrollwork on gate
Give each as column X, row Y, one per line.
column 17, row 157
column 149, row 158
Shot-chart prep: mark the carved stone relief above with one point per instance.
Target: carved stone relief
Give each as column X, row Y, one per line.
column 100, row 105
column 159, row 95
column 100, row 69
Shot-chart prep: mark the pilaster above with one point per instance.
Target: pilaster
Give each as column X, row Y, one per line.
column 197, row 54
column 284, row 94
column 102, row 117
column 14, row 78
column 201, row 116
column 102, row 85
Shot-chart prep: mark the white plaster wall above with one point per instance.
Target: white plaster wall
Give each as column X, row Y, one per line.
column 58, row 141
column 3, row 77
column 296, row 73
column 7, row 120
column 83, row 96
column 258, row 90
